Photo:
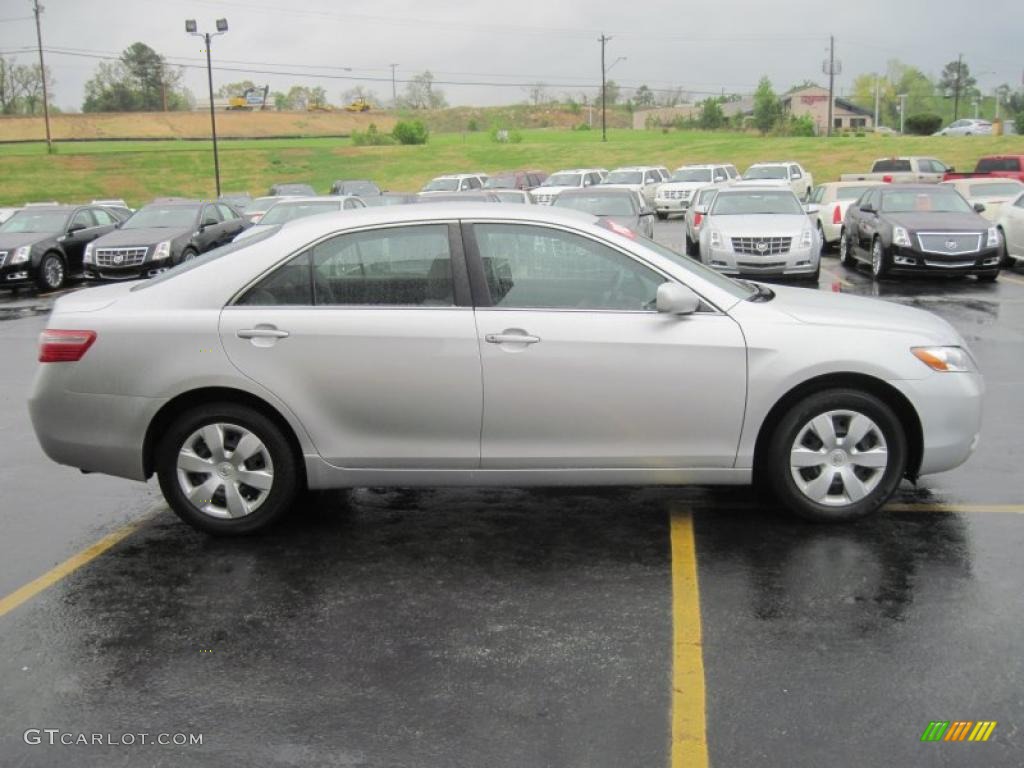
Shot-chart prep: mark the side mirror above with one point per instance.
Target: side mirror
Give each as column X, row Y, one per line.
column 979, row 207
column 75, row 228
column 812, row 209
column 676, row 299
column 867, row 208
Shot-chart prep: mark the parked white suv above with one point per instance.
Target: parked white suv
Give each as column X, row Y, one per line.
column 572, row 178
column 454, row 182
column 782, row 174
column 645, row 179
column 675, row 195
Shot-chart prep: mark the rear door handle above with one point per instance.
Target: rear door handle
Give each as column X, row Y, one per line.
column 262, row 333
column 511, row 338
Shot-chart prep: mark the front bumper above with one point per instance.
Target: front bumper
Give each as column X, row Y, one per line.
column 795, row 263
column 949, row 406
column 671, row 205
column 137, row 272
column 12, row 275
column 910, row 260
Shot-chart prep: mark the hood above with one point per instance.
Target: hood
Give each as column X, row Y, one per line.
column 92, row 299
column 939, row 222
column 760, row 225
column 12, row 240
column 847, row 311
column 140, row 237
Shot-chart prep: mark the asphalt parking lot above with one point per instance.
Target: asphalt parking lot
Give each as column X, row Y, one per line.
column 521, row 627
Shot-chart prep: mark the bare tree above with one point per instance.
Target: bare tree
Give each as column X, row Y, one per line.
column 359, row 92
column 421, row 94
column 538, row 94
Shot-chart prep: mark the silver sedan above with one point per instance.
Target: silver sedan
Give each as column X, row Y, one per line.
column 475, row 344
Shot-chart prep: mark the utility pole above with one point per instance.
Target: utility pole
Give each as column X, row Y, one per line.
column 37, row 9
column 603, row 40
column 903, row 111
column 831, row 79
column 877, row 79
column 956, row 88
column 394, row 90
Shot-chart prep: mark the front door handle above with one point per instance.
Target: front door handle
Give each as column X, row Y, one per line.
column 509, row 337
column 262, row 332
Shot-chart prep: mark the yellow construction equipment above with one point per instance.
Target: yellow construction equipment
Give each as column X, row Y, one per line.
column 358, row 105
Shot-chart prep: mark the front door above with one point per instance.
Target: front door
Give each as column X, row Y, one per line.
column 361, row 335
column 580, row 370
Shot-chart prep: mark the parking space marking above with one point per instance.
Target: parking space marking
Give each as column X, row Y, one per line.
column 842, row 281
column 689, row 724
column 28, row 591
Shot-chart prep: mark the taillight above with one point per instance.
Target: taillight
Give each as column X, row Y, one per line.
column 697, row 217
column 887, row 179
column 255, row 218
column 837, row 215
column 57, row 346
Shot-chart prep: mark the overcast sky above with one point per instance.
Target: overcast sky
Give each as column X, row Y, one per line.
column 702, row 46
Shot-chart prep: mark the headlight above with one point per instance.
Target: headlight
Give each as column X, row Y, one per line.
column 21, row 254
column 87, row 256
column 806, row 238
column 943, row 359
column 162, row 250
column 993, row 238
column 900, row 236
column 716, row 238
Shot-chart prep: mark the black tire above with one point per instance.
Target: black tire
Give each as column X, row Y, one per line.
column 846, row 256
column 1004, row 252
column 662, row 215
column 691, row 247
column 815, row 276
column 777, row 457
column 988, row 277
column 880, row 263
column 188, row 254
column 52, row 272
column 286, row 469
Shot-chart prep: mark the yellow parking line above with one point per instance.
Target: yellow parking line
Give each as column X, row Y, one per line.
column 842, row 281
column 689, row 725
column 72, row 564
column 1015, row 509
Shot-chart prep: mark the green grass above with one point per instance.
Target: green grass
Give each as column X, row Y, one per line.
column 139, row 171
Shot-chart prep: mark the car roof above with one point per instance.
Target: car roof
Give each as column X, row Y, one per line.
column 774, row 162
column 312, row 199
column 746, row 188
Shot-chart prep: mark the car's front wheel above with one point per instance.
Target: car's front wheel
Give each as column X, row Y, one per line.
column 227, row 469
column 51, row 273
column 879, row 260
column 837, row 455
column 846, row 256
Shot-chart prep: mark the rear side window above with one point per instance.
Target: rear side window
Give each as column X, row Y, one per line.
column 226, row 213
column 288, row 285
column 989, row 164
column 83, row 219
column 891, row 166
column 102, row 217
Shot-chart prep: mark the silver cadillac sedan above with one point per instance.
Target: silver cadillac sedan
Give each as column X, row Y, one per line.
column 761, row 231
column 474, row 344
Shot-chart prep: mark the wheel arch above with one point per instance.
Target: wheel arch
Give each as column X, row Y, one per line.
column 204, row 396
column 901, row 406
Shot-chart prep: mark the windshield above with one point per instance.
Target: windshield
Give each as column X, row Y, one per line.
column 162, row 216
column 1005, row 189
column 283, row 212
column 442, row 185
column 765, row 172
column 752, row 203
column 35, row 221
column 206, row 258
column 624, row 177
column 505, row 181
column 562, row 180
column 716, row 278
column 599, row 205
column 692, row 174
column 850, row 193
column 921, row 201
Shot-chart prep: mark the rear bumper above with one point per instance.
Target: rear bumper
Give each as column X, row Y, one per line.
column 662, row 205
column 95, row 433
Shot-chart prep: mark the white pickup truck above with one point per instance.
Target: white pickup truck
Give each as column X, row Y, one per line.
column 902, row 170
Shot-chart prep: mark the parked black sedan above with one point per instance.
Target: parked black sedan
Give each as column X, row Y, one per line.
column 43, row 245
column 919, row 228
column 160, row 235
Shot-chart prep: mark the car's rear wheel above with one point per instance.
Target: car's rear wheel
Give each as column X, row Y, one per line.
column 837, row 455
column 879, row 260
column 846, row 250
column 51, row 274
column 227, row 469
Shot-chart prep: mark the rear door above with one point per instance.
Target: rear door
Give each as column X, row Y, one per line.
column 369, row 337
column 580, row 371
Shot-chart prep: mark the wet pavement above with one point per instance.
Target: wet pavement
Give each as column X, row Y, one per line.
column 522, row 627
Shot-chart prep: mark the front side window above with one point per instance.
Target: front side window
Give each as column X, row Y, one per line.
column 818, row 194
column 534, row 267
column 210, row 213
column 226, row 213
column 397, row 266
column 83, row 219
column 794, row 172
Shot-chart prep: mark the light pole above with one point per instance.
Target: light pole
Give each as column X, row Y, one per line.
column 903, row 110
column 192, row 29
column 604, row 92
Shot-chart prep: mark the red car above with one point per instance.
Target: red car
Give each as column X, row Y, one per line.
column 1002, row 166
